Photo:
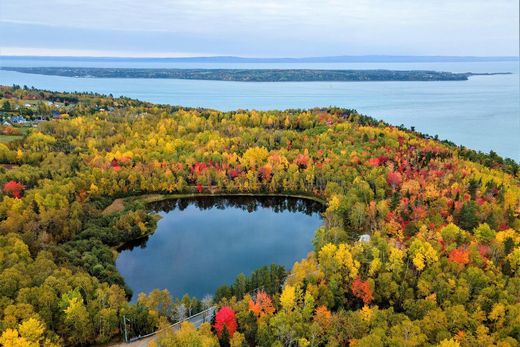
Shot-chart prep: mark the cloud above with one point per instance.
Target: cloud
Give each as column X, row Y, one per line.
column 267, row 27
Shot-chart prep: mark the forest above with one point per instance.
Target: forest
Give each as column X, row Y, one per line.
column 251, row 75
column 442, row 267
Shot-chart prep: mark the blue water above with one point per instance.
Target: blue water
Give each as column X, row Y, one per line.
column 202, row 244
column 482, row 113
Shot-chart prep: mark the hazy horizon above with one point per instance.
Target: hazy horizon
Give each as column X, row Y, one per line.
column 357, row 58
column 263, row 29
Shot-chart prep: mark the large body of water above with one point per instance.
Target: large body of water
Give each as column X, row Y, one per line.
column 482, row 113
column 203, row 243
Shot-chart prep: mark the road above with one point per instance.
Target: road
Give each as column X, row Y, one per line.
column 196, row 320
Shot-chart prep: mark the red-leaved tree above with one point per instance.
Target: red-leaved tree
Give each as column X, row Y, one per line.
column 394, row 179
column 13, row 189
column 225, row 317
column 373, row 162
column 302, row 160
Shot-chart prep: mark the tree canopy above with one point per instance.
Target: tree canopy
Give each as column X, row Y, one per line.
column 442, row 266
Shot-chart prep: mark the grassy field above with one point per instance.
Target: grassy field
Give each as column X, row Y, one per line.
column 23, row 130
column 9, row 138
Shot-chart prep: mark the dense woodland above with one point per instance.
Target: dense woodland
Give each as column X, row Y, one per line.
column 250, row 75
column 442, row 267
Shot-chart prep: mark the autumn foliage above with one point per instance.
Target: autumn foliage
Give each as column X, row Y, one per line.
column 9, row 130
column 381, row 160
column 394, row 179
column 430, row 208
column 302, row 160
column 225, row 317
column 262, row 305
column 373, row 162
column 459, row 256
column 323, row 317
column 13, row 189
column 361, row 289
column 266, row 172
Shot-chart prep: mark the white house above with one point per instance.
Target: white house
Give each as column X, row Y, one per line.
column 364, row 238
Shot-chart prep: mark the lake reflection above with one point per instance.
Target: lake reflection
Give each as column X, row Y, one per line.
column 202, row 243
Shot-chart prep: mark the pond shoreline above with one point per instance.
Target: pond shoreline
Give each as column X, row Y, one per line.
column 118, row 205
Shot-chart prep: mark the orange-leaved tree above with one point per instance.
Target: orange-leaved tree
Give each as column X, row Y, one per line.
column 262, row 305
column 361, row 289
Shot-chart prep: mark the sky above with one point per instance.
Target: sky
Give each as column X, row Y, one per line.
column 259, row 28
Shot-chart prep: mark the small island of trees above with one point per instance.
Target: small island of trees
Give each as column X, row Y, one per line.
column 251, row 75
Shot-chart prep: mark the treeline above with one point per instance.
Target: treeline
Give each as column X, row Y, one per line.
column 247, row 203
column 268, row 279
column 249, row 75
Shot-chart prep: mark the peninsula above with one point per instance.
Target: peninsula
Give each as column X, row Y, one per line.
column 250, row 75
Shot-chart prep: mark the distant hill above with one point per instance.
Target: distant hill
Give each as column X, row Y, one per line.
column 330, row 59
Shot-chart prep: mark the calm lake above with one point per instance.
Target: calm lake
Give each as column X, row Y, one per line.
column 202, row 243
column 482, row 113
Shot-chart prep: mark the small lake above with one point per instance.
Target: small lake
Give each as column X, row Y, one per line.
column 202, row 243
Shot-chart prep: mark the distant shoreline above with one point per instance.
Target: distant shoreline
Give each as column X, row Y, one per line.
column 253, row 75
column 271, row 60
